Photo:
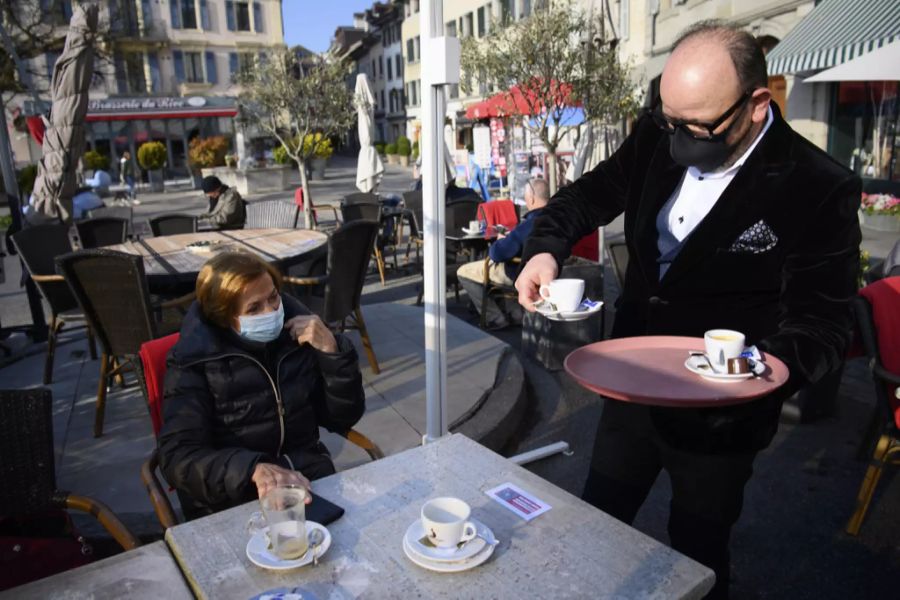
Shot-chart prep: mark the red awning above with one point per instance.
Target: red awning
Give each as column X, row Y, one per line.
column 516, row 102
column 153, row 114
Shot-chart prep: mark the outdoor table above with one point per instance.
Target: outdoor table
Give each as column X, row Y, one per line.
column 167, row 259
column 571, row 551
column 650, row 370
column 147, row 572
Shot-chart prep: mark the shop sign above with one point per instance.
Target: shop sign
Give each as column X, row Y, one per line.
column 107, row 105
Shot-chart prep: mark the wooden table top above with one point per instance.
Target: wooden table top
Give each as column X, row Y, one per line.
column 572, row 551
column 148, row 572
column 650, row 370
column 169, row 256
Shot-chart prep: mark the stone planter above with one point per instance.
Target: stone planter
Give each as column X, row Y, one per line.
column 393, row 159
column 257, row 181
column 880, row 222
column 196, row 180
column 157, row 180
column 318, row 167
column 404, row 161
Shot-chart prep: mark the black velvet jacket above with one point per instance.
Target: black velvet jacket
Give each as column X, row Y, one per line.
column 230, row 404
column 791, row 299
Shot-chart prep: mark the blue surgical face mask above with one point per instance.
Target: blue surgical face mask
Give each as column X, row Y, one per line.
column 262, row 328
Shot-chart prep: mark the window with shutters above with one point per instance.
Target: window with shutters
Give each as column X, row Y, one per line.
column 193, row 67
column 135, row 79
column 390, row 69
column 410, row 51
column 188, row 14
column 399, row 60
column 246, row 61
column 242, row 16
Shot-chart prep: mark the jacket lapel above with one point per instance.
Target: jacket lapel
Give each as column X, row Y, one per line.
column 754, row 186
column 663, row 177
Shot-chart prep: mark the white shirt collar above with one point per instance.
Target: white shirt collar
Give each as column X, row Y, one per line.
column 730, row 171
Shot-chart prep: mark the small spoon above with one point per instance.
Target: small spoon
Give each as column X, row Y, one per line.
column 315, row 537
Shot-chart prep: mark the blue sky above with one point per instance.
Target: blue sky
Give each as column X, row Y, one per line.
column 312, row 22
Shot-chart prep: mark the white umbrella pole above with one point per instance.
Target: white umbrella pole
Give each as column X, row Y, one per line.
column 433, row 109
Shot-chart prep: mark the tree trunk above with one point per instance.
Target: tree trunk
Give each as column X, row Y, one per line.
column 307, row 199
column 553, row 172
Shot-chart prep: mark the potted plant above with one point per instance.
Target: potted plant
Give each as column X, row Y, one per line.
column 206, row 153
column 379, row 148
column 391, row 151
column 880, row 212
column 231, row 161
column 404, row 149
column 94, row 161
column 152, row 157
column 321, row 149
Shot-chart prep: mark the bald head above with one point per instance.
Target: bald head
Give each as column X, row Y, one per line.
column 537, row 193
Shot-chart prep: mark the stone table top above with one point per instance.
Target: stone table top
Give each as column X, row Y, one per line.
column 572, row 551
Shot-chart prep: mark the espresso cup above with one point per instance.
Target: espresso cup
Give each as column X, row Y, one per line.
column 446, row 522
column 721, row 346
column 565, row 294
column 474, row 225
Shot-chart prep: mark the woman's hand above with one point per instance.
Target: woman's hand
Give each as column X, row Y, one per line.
column 309, row 329
column 267, row 477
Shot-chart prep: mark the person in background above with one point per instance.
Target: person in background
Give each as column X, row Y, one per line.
column 503, row 272
column 99, row 183
column 226, row 207
column 126, row 173
column 247, row 386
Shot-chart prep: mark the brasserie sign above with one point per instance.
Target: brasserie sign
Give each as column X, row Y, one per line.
column 129, row 104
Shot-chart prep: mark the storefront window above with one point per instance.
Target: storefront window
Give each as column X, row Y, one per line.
column 863, row 133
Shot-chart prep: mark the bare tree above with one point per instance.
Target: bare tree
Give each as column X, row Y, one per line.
column 300, row 103
column 557, row 58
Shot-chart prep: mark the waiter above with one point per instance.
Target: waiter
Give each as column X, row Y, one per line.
column 732, row 220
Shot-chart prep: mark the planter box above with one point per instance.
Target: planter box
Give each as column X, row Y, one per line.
column 393, row 159
column 157, row 180
column 878, row 222
column 318, row 167
column 257, row 181
column 404, row 161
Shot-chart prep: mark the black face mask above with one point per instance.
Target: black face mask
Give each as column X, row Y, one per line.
column 705, row 155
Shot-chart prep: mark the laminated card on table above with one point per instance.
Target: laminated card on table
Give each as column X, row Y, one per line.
column 518, row 501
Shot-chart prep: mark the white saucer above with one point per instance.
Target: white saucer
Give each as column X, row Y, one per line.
column 453, row 567
column 700, row 366
column 416, row 532
column 579, row 314
column 259, row 554
column 468, row 231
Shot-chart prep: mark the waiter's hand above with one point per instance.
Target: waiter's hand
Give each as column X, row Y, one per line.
column 538, row 271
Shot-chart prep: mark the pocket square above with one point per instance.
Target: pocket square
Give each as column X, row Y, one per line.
column 758, row 238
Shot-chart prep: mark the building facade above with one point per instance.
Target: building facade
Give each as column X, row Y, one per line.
column 170, row 77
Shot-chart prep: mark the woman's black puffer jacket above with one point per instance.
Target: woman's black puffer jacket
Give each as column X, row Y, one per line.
column 230, row 403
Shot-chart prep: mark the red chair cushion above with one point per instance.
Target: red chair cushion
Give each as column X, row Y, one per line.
column 153, row 358
column 884, row 296
column 298, row 200
column 499, row 212
column 587, row 247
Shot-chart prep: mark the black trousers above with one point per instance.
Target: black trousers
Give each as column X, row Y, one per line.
column 707, row 489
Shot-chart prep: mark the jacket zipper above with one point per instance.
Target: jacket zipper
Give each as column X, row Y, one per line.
column 279, row 404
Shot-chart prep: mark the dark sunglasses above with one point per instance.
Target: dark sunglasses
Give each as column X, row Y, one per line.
column 698, row 131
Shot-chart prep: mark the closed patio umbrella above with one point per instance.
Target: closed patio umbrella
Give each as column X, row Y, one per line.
column 368, row 168
column 63, row 142
column 576, row 169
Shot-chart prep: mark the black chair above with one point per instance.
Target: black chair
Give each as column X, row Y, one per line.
column 115, row 212
column 360, row 198
column 173, row 224
column 349, row 249
column 365, row 211
column 618, row 256
column 415, row 219
column 38, row 246
column 112, row 290
column 102, row 231
column 883, row 427
column 264, row 214
column 28, row 471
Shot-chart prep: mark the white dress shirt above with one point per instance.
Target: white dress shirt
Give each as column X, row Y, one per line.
column 692, row 200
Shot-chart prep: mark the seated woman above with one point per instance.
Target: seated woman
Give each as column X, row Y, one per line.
column 247, row 386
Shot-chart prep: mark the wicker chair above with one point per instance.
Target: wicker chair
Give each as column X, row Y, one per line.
column 349, row 249
column 152, row 370
column 490, row 289
column 366, row 211
column 271, row 213
column 115, row 212
column 38, row 246
column 103, row 231
column 360, row 198
column 27, row 469
column 112, row 290
column 173, row 224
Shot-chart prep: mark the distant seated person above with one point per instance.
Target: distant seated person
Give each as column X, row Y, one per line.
column 99, row 183
column 227, row 209
column 502, row 271
column 248, row 384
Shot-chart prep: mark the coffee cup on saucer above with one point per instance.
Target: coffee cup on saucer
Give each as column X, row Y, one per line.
column 722, row 345
column 564, row 294
column 474, row 225
column 446, row 522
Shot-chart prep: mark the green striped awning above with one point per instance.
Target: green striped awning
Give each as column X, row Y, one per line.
column 834, row 32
